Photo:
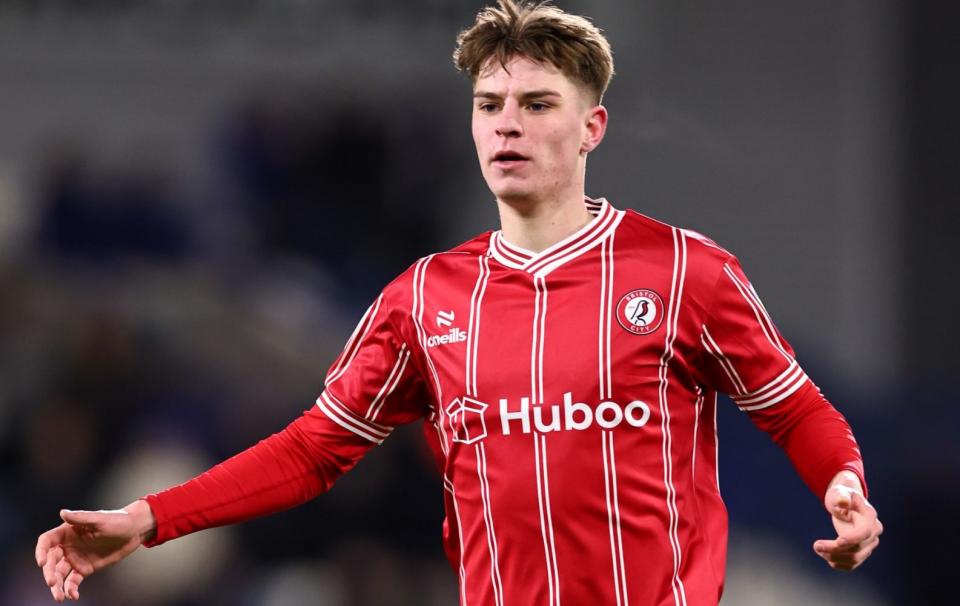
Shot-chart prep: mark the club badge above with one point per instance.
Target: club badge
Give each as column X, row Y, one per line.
column 640, row 311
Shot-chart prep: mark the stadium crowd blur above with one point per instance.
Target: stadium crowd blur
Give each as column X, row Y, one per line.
column 175, row 281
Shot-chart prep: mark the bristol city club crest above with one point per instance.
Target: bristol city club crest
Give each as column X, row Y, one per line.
column 640, row 311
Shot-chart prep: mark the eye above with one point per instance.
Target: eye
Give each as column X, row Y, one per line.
column 538, row 106
column 487, row 108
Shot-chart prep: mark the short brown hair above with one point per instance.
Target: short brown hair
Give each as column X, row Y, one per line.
column 541, row 32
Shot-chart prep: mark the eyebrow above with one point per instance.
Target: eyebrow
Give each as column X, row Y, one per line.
column 534, row 94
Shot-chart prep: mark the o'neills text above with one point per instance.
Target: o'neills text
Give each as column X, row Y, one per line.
column 454, row 336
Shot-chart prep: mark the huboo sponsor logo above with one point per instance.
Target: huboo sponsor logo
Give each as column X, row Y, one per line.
column 467, row 424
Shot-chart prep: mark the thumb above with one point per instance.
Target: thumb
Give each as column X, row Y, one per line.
column 80, row 518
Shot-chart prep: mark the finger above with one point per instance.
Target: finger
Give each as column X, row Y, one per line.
column 49, row 567
column 826, row 545
column 71, row 587
column 829, row 548
column 851, row 559
column 861, row 528
column 45, row 542
column 57, row 592
column 855, row 536
column 63, row 568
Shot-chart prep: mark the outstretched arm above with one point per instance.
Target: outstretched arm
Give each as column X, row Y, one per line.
column 88, row 541
column 855, row 520
column 284, row 470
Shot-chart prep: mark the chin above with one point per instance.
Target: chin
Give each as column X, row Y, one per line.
column 504, row 191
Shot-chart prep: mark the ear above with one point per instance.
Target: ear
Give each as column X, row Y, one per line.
column 595, row 128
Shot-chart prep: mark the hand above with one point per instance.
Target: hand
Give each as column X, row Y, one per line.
column 855, row 520
column 88, row 541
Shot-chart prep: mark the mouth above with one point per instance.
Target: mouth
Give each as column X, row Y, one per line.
column 508, row 159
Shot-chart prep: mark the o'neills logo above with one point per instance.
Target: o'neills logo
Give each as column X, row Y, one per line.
column 572, row 416
column 640, row 311
column 454, row 336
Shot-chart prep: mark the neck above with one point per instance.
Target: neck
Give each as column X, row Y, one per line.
column 539, row 224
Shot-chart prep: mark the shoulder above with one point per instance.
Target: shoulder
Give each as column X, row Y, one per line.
column 448, row 262
column 699, row 250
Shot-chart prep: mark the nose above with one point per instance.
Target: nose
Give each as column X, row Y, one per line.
column 508, row 122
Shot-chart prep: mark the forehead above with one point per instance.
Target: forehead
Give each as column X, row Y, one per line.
column 522, row 73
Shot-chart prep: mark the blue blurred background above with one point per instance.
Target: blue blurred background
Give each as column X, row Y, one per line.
column 198, row 200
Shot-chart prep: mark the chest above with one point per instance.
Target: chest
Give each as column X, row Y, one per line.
column 602, row 327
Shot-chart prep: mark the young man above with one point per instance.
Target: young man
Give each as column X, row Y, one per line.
column 566, row 368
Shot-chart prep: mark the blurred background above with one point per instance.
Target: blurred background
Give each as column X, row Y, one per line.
column 199, row 199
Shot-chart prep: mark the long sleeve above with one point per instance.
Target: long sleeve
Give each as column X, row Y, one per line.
column 815, row 436
column 745, row 356
column 370, row 388
column 281, row 471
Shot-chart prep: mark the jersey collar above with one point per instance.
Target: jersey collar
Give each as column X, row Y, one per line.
column 606, row 219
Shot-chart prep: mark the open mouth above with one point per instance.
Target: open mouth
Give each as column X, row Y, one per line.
column 508, row 158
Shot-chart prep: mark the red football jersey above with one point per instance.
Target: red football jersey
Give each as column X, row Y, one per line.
column 572, row 398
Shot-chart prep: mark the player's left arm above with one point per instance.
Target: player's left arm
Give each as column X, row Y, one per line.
column 745, row 356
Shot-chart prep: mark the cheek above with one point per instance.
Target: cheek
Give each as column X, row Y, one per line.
column 565, row 145
column 475, row 132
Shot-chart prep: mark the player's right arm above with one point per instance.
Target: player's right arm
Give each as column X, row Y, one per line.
column 372, row 386
column 282, row 471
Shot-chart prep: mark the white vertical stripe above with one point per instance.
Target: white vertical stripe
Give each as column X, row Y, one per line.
column 609, row 316
column 543, row 519
column 716, row 442
column 540, row 442
column 542, row 335
column 485, row 264
column 762, row 319
column 546, row 501
column 353, row 343
column 463, row 571
column 416, row 313
column 473, row 328
column 611, row 524
column 535, row 344
column 698, row 408
column 676, row 295
column 546, row 519
column 495, row 579
column 711, row 345
column 602, row 327
column 456, row 513
column 616, row 509
column 766, row 314
column 390, row 384
column 606, row 391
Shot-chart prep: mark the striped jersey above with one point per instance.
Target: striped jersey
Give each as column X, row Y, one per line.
column 570, row 396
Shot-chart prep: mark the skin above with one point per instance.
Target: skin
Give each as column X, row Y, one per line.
column 89, row 541
column 855, row 520
column 533, row 109
column 540, row 199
